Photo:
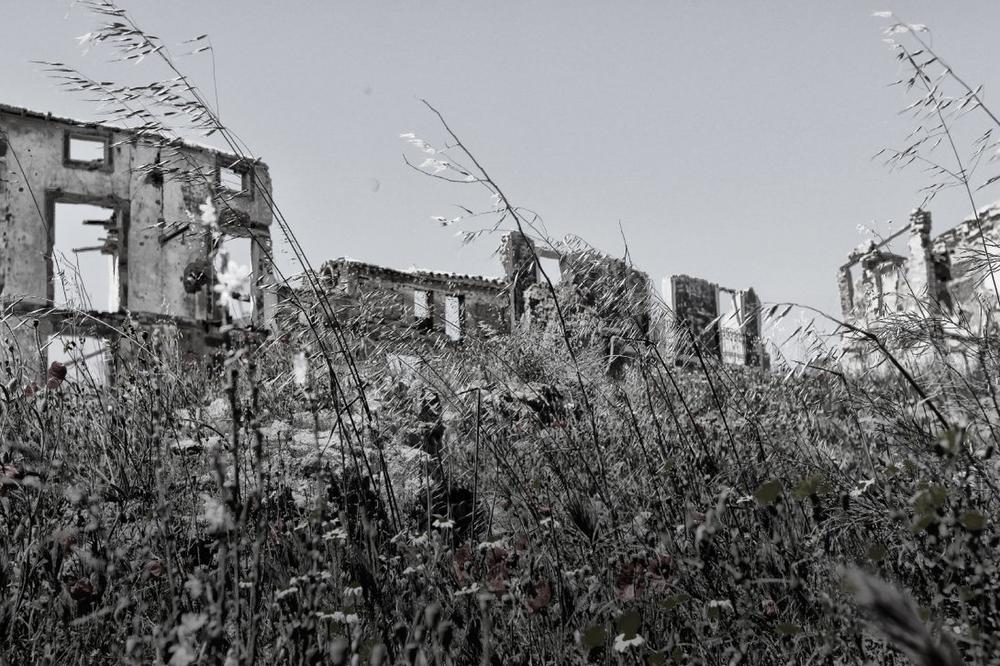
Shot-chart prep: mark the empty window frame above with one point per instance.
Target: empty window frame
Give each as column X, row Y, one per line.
column 454, row 317
column 87, row 150
column 85, row 258
column 552, row 267
column 423, row 308
column 234, row 177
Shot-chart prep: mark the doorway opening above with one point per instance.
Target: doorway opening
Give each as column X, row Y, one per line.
column 85, row 266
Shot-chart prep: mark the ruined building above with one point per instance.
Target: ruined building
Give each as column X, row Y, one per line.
column 946, row 278
column 724, row 323
column 96, row 227
column 611, row 302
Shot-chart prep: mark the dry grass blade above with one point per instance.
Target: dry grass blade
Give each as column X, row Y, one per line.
column 895, row 616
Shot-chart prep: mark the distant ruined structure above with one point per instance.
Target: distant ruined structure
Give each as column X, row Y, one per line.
column 142, row 248
column 616, row 299
column 946, row 278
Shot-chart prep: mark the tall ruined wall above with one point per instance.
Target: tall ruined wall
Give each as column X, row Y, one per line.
column 695, row 303
column 37, row 174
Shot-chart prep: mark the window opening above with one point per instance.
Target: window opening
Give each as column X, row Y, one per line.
column 552, row 268
column 454, row 315
column 234, row 278
column 87, row 151
column 423, row 302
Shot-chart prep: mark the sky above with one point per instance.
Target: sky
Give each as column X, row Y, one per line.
column 728, row 140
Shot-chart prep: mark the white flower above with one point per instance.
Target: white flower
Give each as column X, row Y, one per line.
column 443, row 524
column 471, row 589
column 300, row 368
column 338, row 534
column 216, row 515
column 285, row 593
column 622, row 643
column 861, row 487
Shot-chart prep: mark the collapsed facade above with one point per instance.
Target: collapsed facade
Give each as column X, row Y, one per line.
column 97, row 228
column 944, row 279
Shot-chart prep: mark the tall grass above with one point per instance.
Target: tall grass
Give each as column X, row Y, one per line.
column 500, row 501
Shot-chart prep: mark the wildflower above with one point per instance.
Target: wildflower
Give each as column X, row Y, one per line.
column 443, row 524
column 209, row 216
column 216, row 515
column 538, row 596
column 622, row 643
column 300, row 368
column 286, row 593
column 81, row 589
column 769, row 607
column 155, row 568
column 56, row 375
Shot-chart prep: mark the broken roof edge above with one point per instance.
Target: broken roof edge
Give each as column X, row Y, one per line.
column 25, row 112
column 411, row 274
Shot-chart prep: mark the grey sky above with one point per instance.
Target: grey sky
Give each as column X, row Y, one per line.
column 732, row 140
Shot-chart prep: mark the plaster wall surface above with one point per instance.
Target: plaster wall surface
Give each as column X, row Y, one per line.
column 152, row 185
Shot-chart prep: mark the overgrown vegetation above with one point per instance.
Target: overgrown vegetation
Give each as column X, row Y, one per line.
column 503, row 501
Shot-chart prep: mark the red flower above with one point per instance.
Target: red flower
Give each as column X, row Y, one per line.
column 81, row 589
column 155, row 568
column 537, row 596
column 496, row 571
column 57, row 371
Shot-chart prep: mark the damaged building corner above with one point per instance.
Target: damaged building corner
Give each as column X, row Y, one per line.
column 944, row 280
column 97, row 231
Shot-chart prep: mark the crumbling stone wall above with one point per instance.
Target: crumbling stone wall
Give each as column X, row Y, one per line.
column 151, row 185
column 938, row 275
column 386, row 304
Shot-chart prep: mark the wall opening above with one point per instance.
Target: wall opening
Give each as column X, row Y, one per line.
column 86, row 151
column 237, row 277
column 552, row 268
column 86, row 358
column 454, row 317
column 232, row 180
column 85, row 266
column 423, row 308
